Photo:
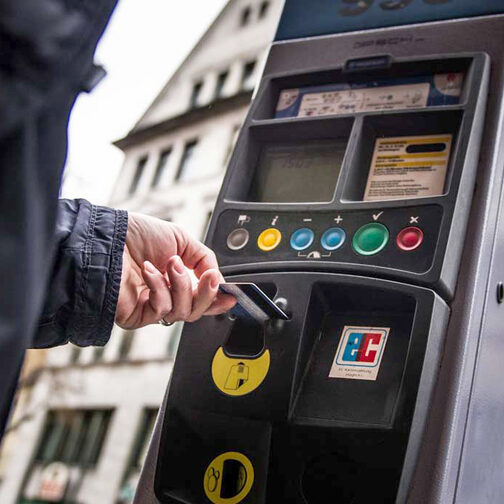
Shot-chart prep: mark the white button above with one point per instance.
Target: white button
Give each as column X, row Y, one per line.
column 237, row 239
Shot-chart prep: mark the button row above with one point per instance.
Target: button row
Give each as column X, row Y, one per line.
column 368, row 239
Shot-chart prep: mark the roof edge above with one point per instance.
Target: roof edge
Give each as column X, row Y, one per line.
column 183, row 64
column 134, row 137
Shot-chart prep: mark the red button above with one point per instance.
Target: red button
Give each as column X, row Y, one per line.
column 409, row 238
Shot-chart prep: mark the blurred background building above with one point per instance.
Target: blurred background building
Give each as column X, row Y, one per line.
column 84, row 416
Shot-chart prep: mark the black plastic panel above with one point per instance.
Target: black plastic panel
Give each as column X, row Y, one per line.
column 311, row 417
column 196, row 438
column 321, row 400
column 435, row 264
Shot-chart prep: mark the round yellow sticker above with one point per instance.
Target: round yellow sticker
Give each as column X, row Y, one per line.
column 239, row 376
column 228, row 478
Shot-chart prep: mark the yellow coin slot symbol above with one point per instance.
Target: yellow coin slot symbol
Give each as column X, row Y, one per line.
column 239, row 376
column 229, row 478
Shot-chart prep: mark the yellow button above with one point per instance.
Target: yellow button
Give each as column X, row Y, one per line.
column 269, row 239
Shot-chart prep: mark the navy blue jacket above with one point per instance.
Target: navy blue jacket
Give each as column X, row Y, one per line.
column 51, row 291
column 81, row 296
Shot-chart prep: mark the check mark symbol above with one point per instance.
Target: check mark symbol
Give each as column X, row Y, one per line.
column 376, row 216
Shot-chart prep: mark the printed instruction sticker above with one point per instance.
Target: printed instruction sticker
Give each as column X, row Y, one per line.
column 408, row 167
column 359, row 354
column 349, row 101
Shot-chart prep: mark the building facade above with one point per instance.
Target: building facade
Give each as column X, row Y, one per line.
column 84, row 427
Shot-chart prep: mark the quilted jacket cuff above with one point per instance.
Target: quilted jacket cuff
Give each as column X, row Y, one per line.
column 91, row 323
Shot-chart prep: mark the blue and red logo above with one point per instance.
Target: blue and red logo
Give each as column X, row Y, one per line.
column 359, row 349
column 362, row 347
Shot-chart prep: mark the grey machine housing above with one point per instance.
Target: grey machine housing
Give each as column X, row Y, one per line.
column 454, row 431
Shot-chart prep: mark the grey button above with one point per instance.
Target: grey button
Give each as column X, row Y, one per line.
column 237, row 239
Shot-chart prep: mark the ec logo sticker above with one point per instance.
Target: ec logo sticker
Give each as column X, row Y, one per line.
column 359, row 353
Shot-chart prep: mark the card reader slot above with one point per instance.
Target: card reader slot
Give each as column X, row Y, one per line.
column 246, row 338
column 247, row 334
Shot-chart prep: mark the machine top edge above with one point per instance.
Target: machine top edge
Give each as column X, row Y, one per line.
column 309, row 18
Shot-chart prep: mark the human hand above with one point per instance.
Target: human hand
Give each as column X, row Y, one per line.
column 155, row 283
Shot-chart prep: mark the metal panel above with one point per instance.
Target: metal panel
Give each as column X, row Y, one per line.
column 308, row 18
column 480, row 478
column 463, row 398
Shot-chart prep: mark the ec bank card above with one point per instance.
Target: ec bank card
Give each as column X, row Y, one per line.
column 253, row 301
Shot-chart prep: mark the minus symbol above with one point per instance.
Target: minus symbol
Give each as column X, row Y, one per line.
column 307, row 220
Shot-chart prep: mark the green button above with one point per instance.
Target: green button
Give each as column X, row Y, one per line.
column 370, row 239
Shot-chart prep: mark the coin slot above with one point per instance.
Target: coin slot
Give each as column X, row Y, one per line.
column 234, row 478
column 206, row 457
column 229, row 478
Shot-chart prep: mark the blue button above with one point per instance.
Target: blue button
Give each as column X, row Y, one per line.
column 302, row 239
column 333, row 238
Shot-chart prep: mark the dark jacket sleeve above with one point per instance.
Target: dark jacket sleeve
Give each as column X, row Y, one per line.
column 84, row 286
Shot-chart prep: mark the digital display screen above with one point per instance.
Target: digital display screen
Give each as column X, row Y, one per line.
column 300, row 172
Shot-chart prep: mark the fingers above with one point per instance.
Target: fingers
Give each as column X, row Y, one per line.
column 159, row 299
column 171, row 297
column 196, row 255
column 205, row 293
column 181, row 290
column 202, row 260
column 207, row 261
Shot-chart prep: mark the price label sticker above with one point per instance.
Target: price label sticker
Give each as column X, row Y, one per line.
column 408, row 167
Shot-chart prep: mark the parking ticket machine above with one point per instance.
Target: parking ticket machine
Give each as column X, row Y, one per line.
column 364, row 197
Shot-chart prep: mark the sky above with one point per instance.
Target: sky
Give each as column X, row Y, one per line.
column 143, row 45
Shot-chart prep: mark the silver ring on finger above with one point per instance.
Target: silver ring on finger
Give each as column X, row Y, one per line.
column 163, row 322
